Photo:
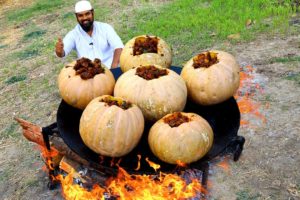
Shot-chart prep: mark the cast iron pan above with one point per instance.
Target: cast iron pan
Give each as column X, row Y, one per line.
column 224, row 119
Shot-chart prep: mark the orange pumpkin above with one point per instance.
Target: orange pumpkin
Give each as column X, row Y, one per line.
column 211, row 77
column 180, row 137
column 156, row 90
column 111, row 126
column 144, row 50
column 82, row 80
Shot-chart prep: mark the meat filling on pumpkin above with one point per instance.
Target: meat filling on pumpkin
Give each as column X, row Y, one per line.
column 110, row 101
column 206, row 60
column 176, row 119
column 88, row 69
column 150, row 72
column 145, row 45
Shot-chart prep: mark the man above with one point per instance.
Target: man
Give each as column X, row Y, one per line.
column 91, row 39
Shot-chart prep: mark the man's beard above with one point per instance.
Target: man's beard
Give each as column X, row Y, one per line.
column 87, row 26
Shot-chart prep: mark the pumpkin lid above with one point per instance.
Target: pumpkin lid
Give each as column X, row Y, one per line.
column 87, row 69
column 116, row 101
column 176, row 119
column 150, row 72
column 205, row 59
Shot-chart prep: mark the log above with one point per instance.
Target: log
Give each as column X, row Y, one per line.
column 34, row 134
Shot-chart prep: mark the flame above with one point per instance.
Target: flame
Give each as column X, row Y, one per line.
column 248, row 88
column 48, row 156
column 152, row 164
column 139, row 162
column 126, row 186
column 224, row 164
column 181, row 164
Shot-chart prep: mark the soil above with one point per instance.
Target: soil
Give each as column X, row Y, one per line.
column 268, row 167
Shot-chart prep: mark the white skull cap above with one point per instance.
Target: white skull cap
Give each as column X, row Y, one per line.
column 83, row 5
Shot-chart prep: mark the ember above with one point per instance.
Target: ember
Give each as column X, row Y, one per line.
column 110, row 101
column 250, row 84
column 205, row 60
column 145, row 45
column 88, row 69
column 150, row 72
column 176, row 119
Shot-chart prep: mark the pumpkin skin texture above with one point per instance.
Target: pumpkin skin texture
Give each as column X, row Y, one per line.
column 111, row 130
column 156, row 97
column 128, row 60
column 185, row 143
column 78, row 92
column 214, row 84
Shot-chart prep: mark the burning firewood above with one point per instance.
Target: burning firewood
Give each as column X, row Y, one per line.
column 34, row 134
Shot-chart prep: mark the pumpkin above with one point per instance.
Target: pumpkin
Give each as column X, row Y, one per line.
column 82, row 80
column 211, row 77
column 111, row 126
column 143, row 50
column 180, row 138
column 157, row 91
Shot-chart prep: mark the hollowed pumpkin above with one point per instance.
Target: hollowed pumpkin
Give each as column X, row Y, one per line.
column 180, row 138
column 211, row 77
column 144, row 50
column 157, row 91
column 82, row 80
column 111, row 126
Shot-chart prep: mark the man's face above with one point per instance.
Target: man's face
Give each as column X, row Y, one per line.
column 85, row 19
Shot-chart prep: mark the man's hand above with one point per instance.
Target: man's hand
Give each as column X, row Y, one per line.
column 116, row 58
column 59, row 48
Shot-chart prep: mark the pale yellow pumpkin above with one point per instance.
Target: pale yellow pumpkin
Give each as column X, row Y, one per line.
column 111, row 126
column 214, row 83
column 156, row 97
column 78, row 92
column 186, row 143
column 129, row 60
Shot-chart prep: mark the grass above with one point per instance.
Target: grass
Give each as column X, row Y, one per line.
column 38, row 8
column 294, row 77
column 34, row 35
column 286, row 59
column 10, row 131
column 16, row 78
column 192, row 25
column 245, row 195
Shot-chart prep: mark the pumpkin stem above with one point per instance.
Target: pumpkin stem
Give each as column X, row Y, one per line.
column 206, row 60
column 145, row 45
column 110, row 101
column 176, row 119
column 150, row 72
column 88, row 69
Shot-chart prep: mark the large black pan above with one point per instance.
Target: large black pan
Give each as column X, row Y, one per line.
column 224, row 119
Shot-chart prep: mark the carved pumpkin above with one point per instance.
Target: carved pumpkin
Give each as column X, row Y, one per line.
column 82, row 80
column 144, row 50
column 157, row 91
column 111, row 126
column 211, row 77
column 180, row 137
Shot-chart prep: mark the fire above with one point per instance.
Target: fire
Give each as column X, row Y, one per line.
column 224, row 164
column 48, row 156
column 249, row 86
column 152, row 164
column 181, row 164
column 126, row 186
column 139, row 162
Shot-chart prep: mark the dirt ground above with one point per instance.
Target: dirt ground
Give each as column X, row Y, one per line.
column 268, row 167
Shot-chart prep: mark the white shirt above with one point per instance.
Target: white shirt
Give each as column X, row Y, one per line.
column 101, row 44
